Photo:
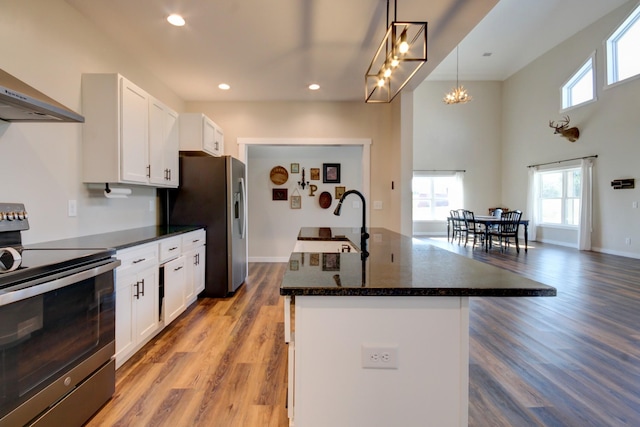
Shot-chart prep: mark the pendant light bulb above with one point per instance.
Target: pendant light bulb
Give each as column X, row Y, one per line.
column 403, row 47
column 387, row 72
column 395, row 62
column 380, row 82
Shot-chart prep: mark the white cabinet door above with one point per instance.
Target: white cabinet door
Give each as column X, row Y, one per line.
column 209, row 132
column 174, row 278
column 172, row 147
column 198, row 274
column 163, row 144
column 146, row 304
column 191, row 260
column 134, row 119
column 218, row 142
column 125, row 336
column 137, row 310
column 194, row 275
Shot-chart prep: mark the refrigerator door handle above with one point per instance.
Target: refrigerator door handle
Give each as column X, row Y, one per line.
column 243, row 208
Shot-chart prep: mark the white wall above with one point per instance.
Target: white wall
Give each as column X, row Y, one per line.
column 460, row 137
column 609, row 128
column 48, row 44
column 320, row 120
column 273, row 225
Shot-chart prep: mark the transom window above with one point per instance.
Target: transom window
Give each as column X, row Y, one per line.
column 559, row 196
column 623, row 50
column 580, row 87
column 434, row 196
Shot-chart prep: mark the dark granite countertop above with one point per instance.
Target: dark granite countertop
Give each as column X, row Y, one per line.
column 397, row 266
column 117, row 239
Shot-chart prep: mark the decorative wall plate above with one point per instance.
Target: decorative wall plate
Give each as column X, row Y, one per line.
column 279, row 175
column 325, row 199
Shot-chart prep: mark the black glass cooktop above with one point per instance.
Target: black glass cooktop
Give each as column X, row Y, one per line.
column 40, row 263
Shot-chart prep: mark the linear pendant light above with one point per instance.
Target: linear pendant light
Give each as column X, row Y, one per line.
column 401, row 54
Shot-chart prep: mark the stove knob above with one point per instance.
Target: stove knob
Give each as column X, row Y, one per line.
column 1, row 216
column 9, row 216
column 20, row 215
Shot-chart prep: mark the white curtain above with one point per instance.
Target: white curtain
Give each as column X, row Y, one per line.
column 532, row 202
column 586, row 205
column 459, row 200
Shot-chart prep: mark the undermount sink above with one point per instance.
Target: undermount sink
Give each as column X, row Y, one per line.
column 324, row 246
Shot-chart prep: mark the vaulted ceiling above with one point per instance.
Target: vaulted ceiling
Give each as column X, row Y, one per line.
column 272, row 50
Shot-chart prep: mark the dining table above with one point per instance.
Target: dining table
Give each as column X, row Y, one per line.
column 488, row 221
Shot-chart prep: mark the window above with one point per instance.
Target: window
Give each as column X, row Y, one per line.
column 580, row 87
column 435, row 195
column 623, row 50
column 560, row 197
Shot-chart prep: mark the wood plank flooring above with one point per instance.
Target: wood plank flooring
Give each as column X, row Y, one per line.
column 571, row 360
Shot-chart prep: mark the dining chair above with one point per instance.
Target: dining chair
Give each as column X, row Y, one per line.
column 473, row 228
column 507, row 229
column 459, row 225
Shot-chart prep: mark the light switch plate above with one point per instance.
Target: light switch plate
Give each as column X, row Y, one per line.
column 72, row 208
column 377, row 204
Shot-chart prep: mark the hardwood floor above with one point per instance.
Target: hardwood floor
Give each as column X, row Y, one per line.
column 570, row 360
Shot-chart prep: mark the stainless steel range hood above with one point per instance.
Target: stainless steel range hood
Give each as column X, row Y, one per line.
column 19, row 102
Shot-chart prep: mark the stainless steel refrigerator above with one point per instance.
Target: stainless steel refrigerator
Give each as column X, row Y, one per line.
column 212, row 194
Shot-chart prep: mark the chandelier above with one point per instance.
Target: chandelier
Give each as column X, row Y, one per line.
column 458, row 95
column 401, row 54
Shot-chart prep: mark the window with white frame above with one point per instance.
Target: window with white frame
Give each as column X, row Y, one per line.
column 434, row 195
column 559, row 197
column 580, row 87
column 623, row 50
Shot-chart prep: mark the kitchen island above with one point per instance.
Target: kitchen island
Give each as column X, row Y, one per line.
column 383, row 340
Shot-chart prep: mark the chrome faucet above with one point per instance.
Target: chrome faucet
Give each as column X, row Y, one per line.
column 363, row 230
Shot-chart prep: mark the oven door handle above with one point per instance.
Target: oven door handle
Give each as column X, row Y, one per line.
column 8, row 296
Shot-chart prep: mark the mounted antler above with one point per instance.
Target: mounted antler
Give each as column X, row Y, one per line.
column 572, row 134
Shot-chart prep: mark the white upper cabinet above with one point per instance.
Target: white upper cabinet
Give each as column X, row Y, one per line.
column 134, row 132
column 199, row 133
column 163, row 144
column 128, row 136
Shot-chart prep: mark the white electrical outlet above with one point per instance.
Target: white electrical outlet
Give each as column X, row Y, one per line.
column 377, row 204
column 355, row 204
column 627, row 240
column 72, row 208
column 152, row 205
column 379, row 357
column 634, row 205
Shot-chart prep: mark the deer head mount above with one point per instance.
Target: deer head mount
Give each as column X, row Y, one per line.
column 572, row 134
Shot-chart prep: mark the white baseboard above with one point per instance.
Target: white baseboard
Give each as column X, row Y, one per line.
column 619, row 253
column 268, row 259
column 556, row 242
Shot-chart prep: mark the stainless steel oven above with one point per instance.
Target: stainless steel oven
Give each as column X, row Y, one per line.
column 57, row 336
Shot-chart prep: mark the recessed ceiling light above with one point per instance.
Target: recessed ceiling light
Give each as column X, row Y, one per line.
column 175, row 19
column 314, row 86
column 224, row 86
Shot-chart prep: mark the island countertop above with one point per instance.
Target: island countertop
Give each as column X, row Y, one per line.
column 397, row 266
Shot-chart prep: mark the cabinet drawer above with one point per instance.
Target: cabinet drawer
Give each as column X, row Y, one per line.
column 170, row 248
column 193, row 239
column 137, row 257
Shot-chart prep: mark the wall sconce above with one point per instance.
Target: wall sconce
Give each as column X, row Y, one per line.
column 401, row 54
column 303, row 183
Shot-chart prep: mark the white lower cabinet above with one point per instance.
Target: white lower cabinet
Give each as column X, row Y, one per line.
column 193, row 248
column 174, row 302
column 140, row 311
column 137, row 303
